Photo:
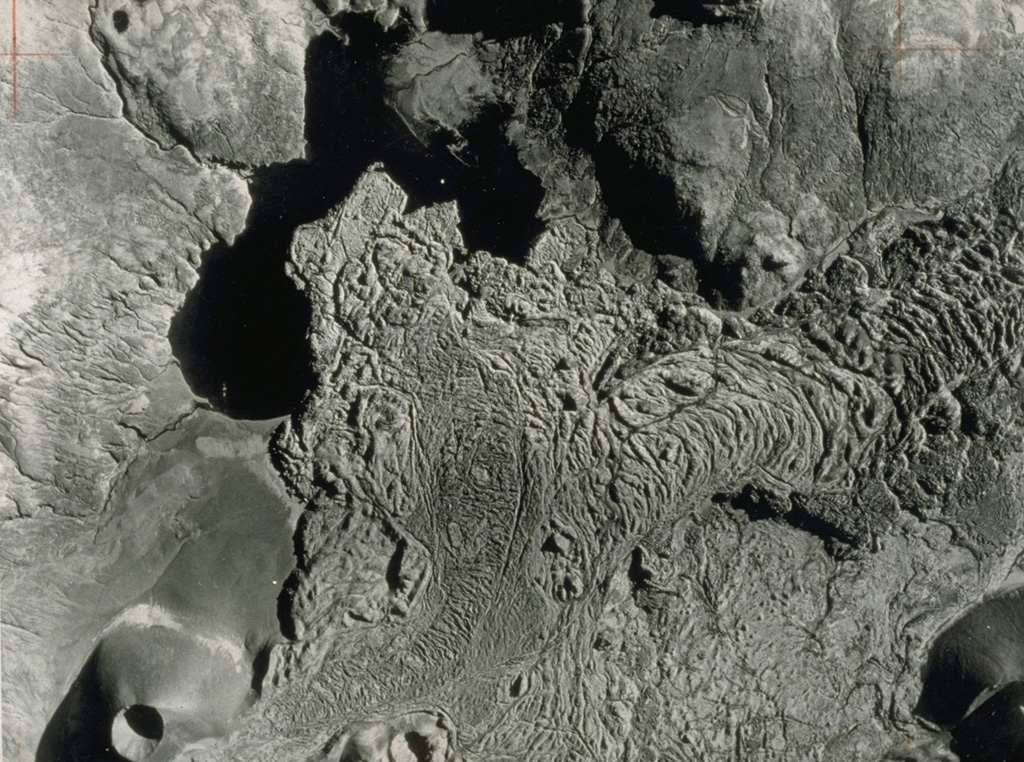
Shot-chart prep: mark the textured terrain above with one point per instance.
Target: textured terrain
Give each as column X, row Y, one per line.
column 435, row 381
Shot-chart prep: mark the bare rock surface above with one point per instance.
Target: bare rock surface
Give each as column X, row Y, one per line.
column 403, row 381
column 626, row 582
column 225, row 80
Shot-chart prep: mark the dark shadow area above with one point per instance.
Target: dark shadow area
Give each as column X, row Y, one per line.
column 794, row 510
column 285, row 604
column 393, row 574
column 290, row 588
column 982, row 649
column 644, row 200
column 121, row 21
column 419, row 746
column 145, row 721
column 515, row 688
column 498, row 198
column 501, row 19
column 260, row 668
column 655, row 214
column 720, row 283
column 639, row 575
column 79, row 730
column 479, row 169
column 994, row 732
column 831, row 534
column 647, row 203
column 240, row 337
column 757, row 504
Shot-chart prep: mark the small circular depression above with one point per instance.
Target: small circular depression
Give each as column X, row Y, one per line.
column 136, row 732
column 121, row 21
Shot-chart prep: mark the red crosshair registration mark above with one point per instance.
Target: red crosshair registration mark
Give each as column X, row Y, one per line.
column 901, row 49
column 15, row 54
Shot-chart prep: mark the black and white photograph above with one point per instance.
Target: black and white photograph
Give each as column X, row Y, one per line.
column 512, row 380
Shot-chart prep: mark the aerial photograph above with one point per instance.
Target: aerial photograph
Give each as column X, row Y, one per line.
column 512, row 380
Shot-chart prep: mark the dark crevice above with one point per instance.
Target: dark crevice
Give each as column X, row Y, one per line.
column 638, row 574
column 863, row 136
column 393, row 574
column 864, row 139
column 756, row 504
column 830, row 534
column 260, row 668
column 762, row 505
column 285, row 606
column 515, row 689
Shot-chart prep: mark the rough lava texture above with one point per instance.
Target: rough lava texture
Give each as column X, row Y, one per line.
column 564, row 447
column 652, row 385
column 223, row 79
